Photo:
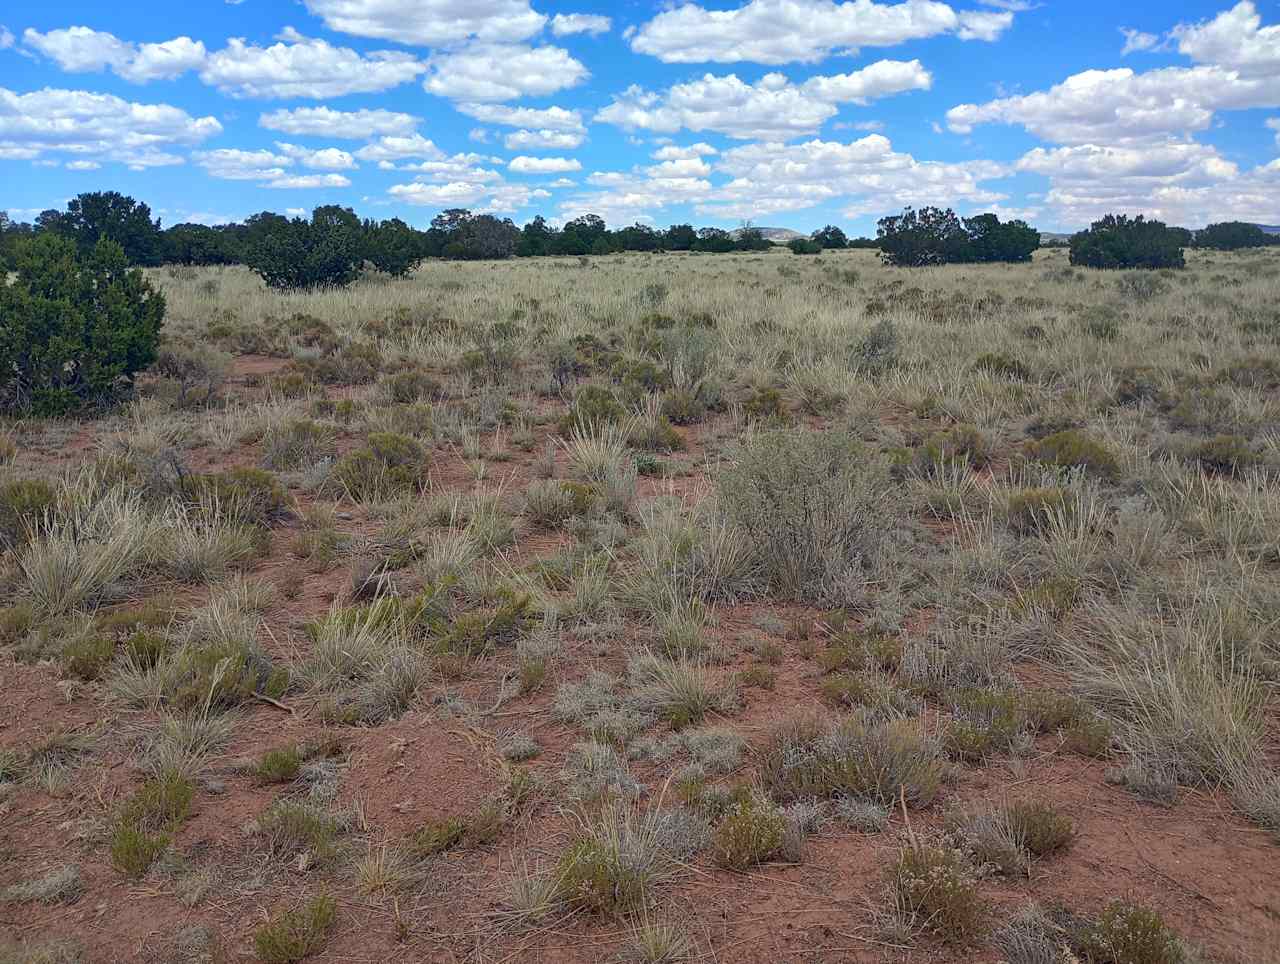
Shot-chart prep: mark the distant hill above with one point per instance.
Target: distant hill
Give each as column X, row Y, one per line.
column 1270, row 228
column 776, row 235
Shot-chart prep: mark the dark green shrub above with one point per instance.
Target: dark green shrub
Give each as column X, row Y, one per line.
column 804, row 246
column 934, row 236
column 1232, row 236
column 1137, row 384
column 323, row 252
column 76, row 329
column 683, row 407
column 437, row 836
column 984, row 722
column 394, row 247
column 963, row 442
column 133, row 850
column 1117, row 241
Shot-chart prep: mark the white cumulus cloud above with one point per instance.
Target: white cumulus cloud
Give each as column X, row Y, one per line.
column 498, row 72
column 543, row 140
column 327, row 122
column 325, row 159
column 786, row 31
column 98, row 126
column 564, row 24
column 430, row 23
column 772, row 108
column 541, row 118
column 82, row 49
column 304, row 67
column 525, row 164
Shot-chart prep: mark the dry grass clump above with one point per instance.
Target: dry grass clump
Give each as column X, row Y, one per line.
column 877, row 761
column 296, row 933
column 815, row 507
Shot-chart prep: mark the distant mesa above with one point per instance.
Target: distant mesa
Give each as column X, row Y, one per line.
column 776, row 235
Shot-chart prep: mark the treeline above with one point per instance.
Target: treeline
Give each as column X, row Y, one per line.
column 334, row 244
column 334, row 241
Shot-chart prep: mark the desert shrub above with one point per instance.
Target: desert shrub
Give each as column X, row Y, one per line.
column 1117, row 241
column 1075, row 449
column 615, row 862
column 876, row 761
column 248, row 495
column 765, row 404
column 1041, row 827
column 1136, row 384
column 191, row 375
column 750, row 833
column 961, row 443
column 877, row 351
column 388, row 464
column 984, row 722
column 87, row 658
column 297, row 933
column 935, row 886
column 998, row 363
column 592, row 407
column 1029, row 511
column 143, row 824
column 1129, row 933
column 23, row 504
column 1223, row 454
column 279, row 766
column 296, row 830
column 77, row 328
column 295, row 444
column 407, row 387
column 814, row 507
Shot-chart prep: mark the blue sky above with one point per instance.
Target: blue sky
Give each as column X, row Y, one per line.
column 796, row 113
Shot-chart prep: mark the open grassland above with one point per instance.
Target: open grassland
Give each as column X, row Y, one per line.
column 657, row 608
